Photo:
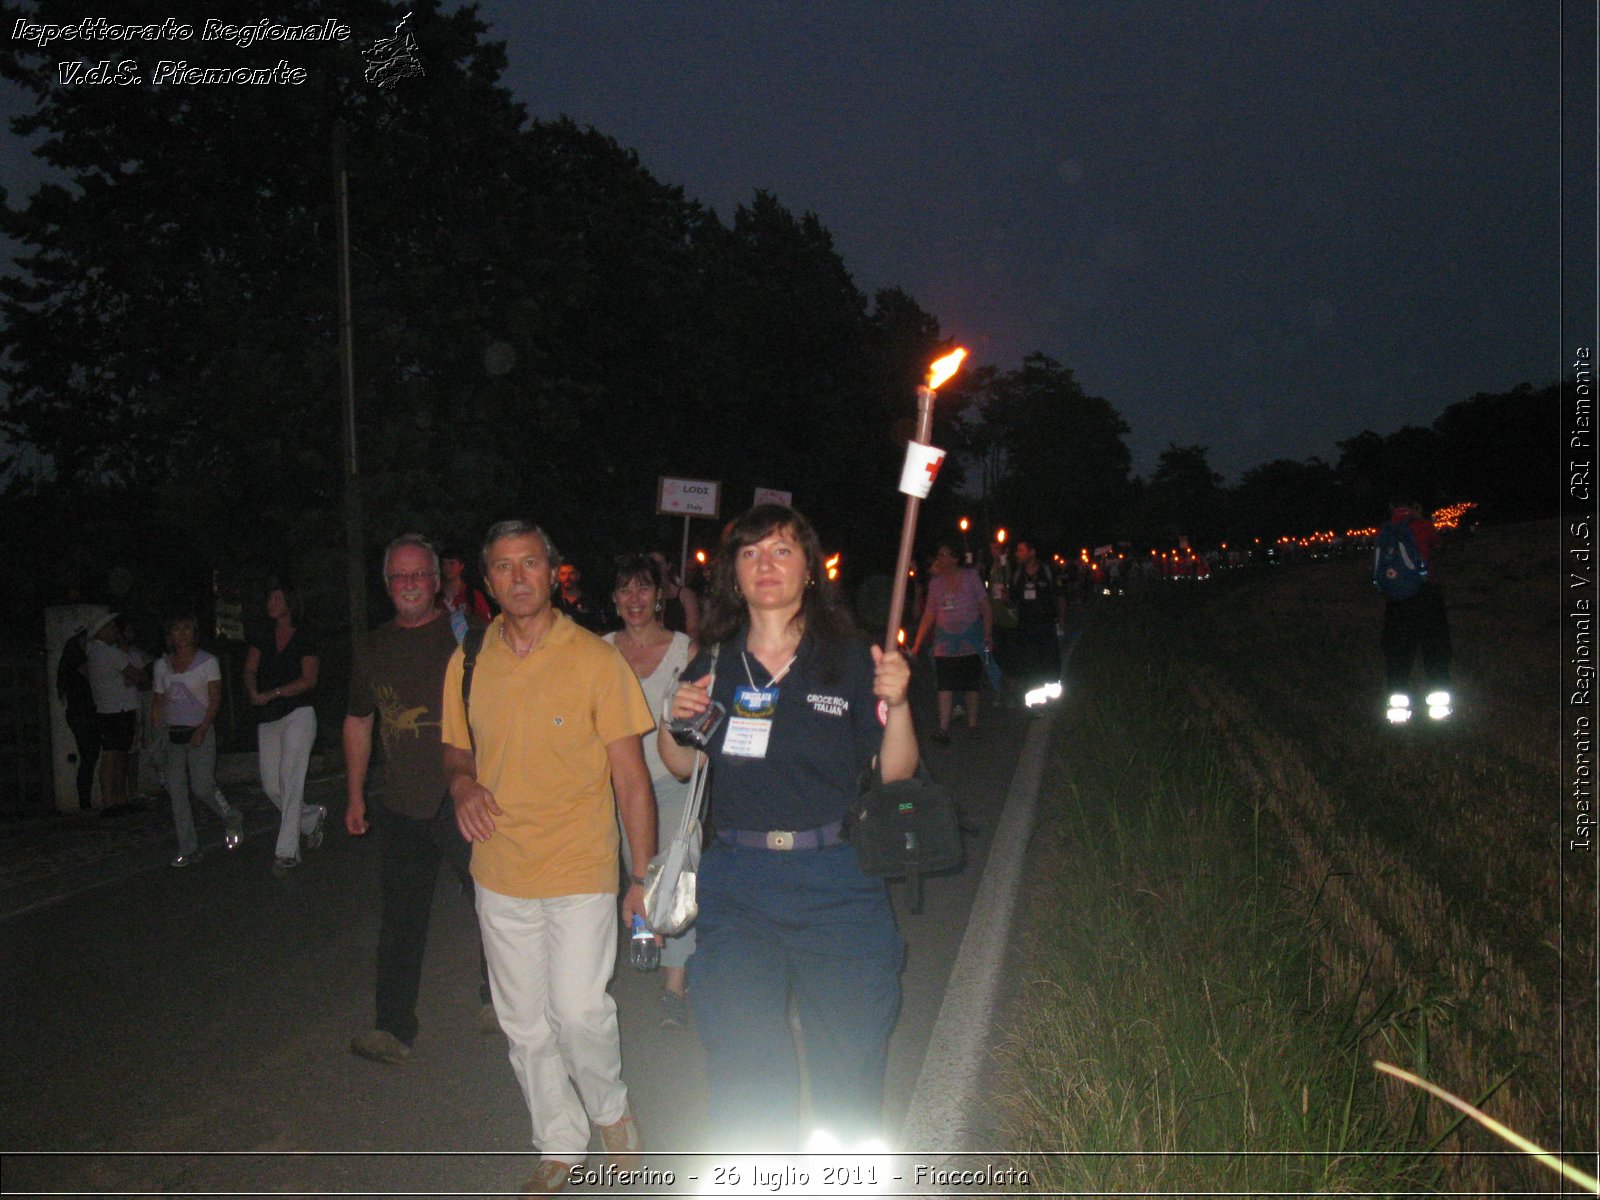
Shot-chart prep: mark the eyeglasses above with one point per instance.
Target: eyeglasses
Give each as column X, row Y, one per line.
column 411, row 577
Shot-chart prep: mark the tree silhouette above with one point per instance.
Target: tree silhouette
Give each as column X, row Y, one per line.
column 1065, row 474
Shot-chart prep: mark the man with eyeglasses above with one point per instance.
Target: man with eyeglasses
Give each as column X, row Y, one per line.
column 396, row 684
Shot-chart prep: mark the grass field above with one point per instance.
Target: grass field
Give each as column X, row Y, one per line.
column 1247, row 886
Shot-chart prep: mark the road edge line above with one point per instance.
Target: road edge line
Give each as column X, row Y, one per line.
column 946, row 1089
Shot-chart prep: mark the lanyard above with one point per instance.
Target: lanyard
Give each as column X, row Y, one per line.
column 773, row 682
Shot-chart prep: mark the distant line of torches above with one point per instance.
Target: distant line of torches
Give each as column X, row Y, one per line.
column 1448, row 517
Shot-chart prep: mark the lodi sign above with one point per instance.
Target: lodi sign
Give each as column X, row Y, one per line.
column 689, row 497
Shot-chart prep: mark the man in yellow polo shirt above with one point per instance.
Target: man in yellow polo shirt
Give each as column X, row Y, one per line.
column 555, row 719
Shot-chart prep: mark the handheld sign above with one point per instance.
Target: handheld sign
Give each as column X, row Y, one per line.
column 689, row 497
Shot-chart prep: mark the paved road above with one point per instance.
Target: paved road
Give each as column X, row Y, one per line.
column 188, row 1031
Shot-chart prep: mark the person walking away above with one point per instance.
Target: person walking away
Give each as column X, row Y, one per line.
column 540, row 757
column 280, row 672
column 1414, row 616
column 397, row 686
column 960, row 620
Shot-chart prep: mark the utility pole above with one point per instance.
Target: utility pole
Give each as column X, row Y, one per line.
column 354, row 539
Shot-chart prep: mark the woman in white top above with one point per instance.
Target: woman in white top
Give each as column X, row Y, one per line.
column 188, row 693
column 656, row 655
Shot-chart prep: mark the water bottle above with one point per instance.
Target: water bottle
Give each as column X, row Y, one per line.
column 644, row 954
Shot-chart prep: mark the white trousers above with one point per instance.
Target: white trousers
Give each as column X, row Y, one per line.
column 549, row 963
column 285, row 752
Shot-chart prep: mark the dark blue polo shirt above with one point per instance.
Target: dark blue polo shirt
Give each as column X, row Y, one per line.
column 825, row 730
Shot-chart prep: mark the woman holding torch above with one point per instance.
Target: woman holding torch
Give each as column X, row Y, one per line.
column 784, row 907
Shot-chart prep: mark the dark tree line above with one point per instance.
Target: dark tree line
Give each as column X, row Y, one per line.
column 1050, row 461
column 1497, row 451
column 542, row 328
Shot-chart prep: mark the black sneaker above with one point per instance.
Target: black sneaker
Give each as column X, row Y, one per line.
column 941, row 737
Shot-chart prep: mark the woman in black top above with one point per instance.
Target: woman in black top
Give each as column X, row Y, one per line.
column 784, row 908
column 280, row 672
column 72, row 686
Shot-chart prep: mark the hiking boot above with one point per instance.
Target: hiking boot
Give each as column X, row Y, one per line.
column 674, row 1011
column 235, row 834
column 187, row 860
column 380, row 1046
column 487, row 1020
column 281, row 866
column 314, row 838
column 622, row 1140
column 549, row 1179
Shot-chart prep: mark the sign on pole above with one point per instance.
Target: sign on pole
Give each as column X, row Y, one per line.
column 689, row 497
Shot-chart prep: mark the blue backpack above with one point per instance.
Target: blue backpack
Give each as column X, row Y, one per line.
column 1398, row 568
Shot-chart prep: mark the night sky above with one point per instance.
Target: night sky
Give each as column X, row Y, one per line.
column 1259, row 227
column 1256, row 227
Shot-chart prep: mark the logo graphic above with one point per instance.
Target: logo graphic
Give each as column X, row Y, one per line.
column 396, row 720
column 391, row 59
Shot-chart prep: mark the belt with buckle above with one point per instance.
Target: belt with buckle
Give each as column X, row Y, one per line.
column 785, row 839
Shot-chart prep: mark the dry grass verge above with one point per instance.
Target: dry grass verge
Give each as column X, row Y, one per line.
column 1256, row 886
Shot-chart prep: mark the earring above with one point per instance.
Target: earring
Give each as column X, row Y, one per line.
column 658, row 608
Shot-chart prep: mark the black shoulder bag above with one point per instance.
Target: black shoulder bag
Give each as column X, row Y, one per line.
column 905, row 829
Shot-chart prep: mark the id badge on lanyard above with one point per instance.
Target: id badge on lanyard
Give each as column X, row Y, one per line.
column 750, row 721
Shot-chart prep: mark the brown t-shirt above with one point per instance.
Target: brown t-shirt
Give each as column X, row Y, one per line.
column 399, row 674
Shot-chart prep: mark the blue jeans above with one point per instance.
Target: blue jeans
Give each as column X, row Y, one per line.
column 810, row 924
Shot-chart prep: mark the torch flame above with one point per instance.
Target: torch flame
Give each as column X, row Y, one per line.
column 1000, row 536
column 945, row 367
